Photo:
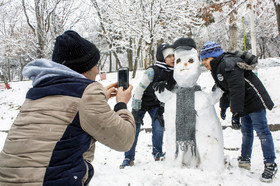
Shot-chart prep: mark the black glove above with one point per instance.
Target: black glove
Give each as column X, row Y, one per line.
column 137, row 117
column 214, row 87
column 160, row 86
column 235, row 121
column 223, row 113
column 159, row 115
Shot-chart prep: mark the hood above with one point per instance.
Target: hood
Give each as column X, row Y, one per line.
column 41, row 69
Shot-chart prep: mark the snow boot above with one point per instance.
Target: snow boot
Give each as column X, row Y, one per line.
column 270, row 169
column 160, row 156
column 126, row 162
column 244, row 163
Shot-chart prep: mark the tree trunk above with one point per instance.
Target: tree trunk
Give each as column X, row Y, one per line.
column 262, row 48
column 232, row 30
column 110, row 66
column 149, row 53
column 130, row 55
column 277, row 9
column 253, row 32
column 21, row 68
column 137, row 57
column 233, row 37
column 40, row 29
column 9, row 70
column 118, row 62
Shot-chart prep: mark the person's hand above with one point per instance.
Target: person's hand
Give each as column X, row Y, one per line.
column 124, row 95
column 223, row 113
column 235, row 121
column 159, row 115
column 214, row 87
column 137, row 117
column 111, row 90
column 160, row 86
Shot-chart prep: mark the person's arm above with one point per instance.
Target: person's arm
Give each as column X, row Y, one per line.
column 224, row 101
column 146, row 80
column 236, row 85
column 113, row 128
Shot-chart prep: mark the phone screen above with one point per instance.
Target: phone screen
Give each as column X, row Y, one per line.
column 123, row 77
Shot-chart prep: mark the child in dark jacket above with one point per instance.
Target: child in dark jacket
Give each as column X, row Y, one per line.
column 247, row 98
column 157, row 77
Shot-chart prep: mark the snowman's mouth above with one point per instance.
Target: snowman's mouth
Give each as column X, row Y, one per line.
column 184, row 69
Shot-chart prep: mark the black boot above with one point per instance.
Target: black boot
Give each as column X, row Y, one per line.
column 270, row 169
column 244, row 163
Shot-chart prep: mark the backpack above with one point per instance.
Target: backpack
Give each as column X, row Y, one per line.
column 250, row 60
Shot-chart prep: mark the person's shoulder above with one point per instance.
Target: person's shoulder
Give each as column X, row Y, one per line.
column 230, row 60
column 150, row 70
column 231, row 57
column 150, row 73
column 95, row 87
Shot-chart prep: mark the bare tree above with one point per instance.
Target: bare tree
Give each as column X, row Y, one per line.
column 223, row 12
column 42, row 27
column 108, row 38
column 142, row 23
column 266, row 27
column 51, row 18
column 15, row 47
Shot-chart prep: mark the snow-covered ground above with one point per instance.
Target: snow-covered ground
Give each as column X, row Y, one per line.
column 146, row 171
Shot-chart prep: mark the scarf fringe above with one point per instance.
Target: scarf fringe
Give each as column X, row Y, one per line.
column 187, row 145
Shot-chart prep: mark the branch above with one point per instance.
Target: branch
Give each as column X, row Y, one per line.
column 27, row 18
column 124, row 21
column 47, row 20
column 236, row 7
column 2, row 3
column 94, row 2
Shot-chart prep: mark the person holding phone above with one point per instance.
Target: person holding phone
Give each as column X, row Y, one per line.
column 158, row 76
column 52, row 141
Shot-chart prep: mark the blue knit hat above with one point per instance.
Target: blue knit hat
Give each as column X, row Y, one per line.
column 210, row 49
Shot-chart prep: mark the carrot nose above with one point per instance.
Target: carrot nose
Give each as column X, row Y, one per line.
column 185, row 64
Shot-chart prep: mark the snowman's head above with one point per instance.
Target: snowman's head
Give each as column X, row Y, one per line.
column 187, row 67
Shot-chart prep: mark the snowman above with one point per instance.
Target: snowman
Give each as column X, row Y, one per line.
column 193, row 130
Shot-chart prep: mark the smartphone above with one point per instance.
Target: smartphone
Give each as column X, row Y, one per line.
column 123, row 77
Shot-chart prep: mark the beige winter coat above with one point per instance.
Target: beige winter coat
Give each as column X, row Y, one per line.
column 41, row 124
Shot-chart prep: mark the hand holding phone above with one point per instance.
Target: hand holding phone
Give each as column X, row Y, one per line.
column 124, row 95
column 111, row 90
column 123, row 77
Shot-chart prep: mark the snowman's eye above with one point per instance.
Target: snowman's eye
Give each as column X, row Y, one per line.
column 191, row 60
column 178, row 60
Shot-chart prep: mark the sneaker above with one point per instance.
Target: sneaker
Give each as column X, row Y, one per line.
column 159, row 156
column 244, row 163
column 270, row 169
column 126, row 162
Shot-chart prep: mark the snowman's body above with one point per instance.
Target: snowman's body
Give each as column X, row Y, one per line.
column 208, row 131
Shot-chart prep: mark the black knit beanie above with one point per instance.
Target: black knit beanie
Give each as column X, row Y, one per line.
column 184, row 43
column 75, row 52
column 160, row 48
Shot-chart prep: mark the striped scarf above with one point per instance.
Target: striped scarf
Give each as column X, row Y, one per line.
column 164, row 66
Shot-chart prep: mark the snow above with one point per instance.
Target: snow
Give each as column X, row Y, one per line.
column 146, row 171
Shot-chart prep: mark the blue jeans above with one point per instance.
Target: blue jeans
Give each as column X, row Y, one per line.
column 257, row 121
column 157, row 134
